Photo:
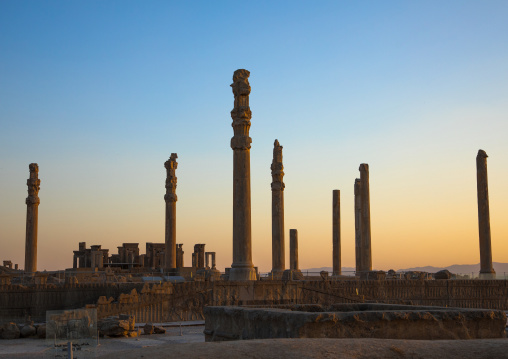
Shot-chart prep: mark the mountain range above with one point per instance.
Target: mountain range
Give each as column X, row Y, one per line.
column 500, row 268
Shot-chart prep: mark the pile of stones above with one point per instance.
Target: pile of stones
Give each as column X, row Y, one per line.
column 12, row 330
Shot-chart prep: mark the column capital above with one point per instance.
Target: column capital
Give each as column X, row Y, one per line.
column 241, row 113
column 34, row 185
column 171, row 165
column 277, row 168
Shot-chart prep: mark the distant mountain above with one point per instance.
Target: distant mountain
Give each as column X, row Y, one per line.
column 500, row 268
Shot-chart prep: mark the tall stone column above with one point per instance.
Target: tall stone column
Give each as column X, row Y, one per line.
column 366, row 254
column 278, row 253
column 358, row 222
column 486, row 269
column 293, row 250
column 170, row 198
column 337, row 270
column 242, row 267
column 32, row 217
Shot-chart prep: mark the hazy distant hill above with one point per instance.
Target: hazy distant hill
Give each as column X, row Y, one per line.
column 500, row 268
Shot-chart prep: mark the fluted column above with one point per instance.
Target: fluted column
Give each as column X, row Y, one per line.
column 278, row 253
column 366, row 254
column 170, row 198
column 336, row 232
column 32, row 217
column 358, row 222
column 486, row 269
column 242, row 267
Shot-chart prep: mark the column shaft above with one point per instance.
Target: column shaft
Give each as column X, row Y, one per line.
column 486, row 269
column 242, row 267
column 336, row 232
column 170, row 198
column 293, row 250
column 366, row 255
column 278, row 252
column 358, row 222
column 32, row 218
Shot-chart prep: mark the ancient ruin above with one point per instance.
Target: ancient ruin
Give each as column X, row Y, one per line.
column 336, row 262
column 358, row 222
column 278, row 253
column 365, row 252
column 352, row 321
column 156, row 287
column 486, row 270
column 32, row 217
column 242, row 267
column 170, row 198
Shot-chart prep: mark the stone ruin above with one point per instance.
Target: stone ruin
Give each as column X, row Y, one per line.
column 352, row 321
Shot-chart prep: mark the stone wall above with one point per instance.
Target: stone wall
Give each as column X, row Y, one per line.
column 17, row 302
column 186, row 301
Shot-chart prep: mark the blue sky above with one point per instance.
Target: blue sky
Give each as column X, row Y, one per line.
column 99, row 93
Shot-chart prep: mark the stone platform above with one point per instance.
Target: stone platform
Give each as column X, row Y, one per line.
column 352, row 321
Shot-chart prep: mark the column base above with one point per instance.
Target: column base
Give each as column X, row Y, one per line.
column 275, row 275
column 291, row 274
column 488, row 275
column 243, row 274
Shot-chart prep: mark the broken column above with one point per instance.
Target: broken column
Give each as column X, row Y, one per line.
column 278, row 253
column 32, row 216
column 486, row 269
column 179, row 256
column 365, row 242
column 336, row 232
column 170, row 198
column 242, row 267
column 199, row 255
column 358, row 222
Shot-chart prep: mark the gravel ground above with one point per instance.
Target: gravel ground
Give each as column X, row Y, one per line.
column 191, row 345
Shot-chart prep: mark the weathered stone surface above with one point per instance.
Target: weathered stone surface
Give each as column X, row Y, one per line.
column 170, row 198
column 358, row 221
column 27, row 331
column 486, row 268
column 116, row 327
column 9, row 331
column 289, row 274
column 242, row 267
column 41, row 331
column 278, row 252
column 443, row 274
column 352, row 321
column 374, row 275
column 336, row 255
column 293, row 250
column 366, row 251
column 32, row 217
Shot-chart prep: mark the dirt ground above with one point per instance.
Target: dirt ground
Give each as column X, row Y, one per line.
column 326, row 348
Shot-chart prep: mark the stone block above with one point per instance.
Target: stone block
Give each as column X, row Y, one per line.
column 9, row 331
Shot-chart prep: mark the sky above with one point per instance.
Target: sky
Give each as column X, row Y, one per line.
column 100, row 93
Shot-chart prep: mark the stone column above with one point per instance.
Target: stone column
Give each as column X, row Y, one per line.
column 242, row 267
column 358, row 222
column 179, row 256
column 293, row 250
column 366, row 254
column 207, row 261
column 74, row 261
column 337, row 270
column 32, row 217
column 486, row 269
column 213, row 260
column 170, row 198
column 278, row 253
